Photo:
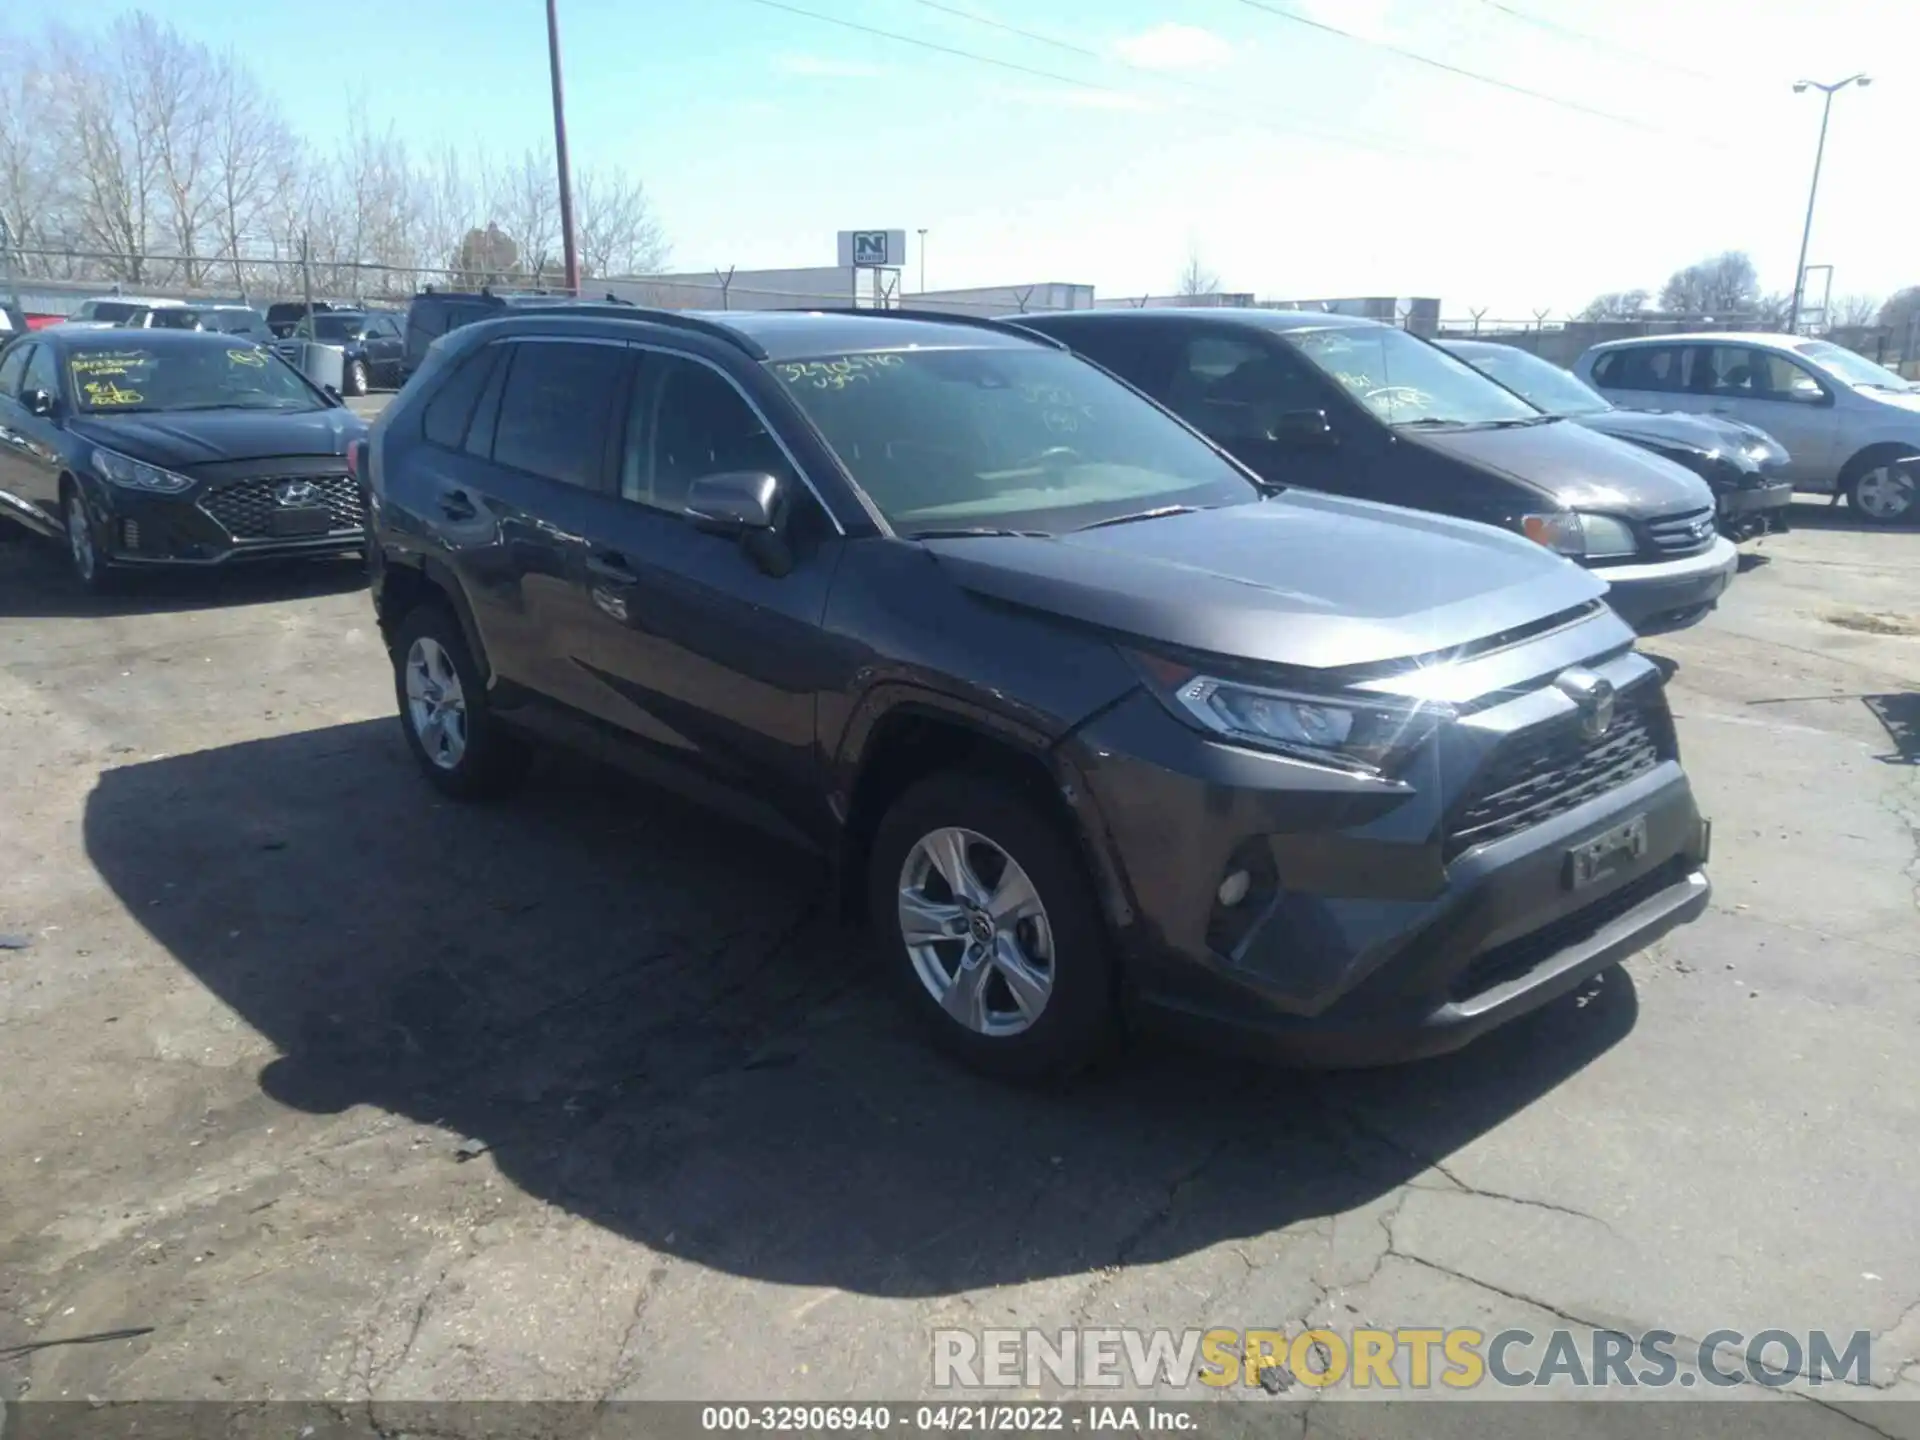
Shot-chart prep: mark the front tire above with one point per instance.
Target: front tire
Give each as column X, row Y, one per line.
column 84, row 560
column 987, row 919
column 357, row 378
column 460, row 746
column 1883, row 490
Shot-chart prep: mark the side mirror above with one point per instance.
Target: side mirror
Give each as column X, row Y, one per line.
column 333, row 392
column 38, row 401
column 1308, row 429
column 1808, row 392
column 735, row 502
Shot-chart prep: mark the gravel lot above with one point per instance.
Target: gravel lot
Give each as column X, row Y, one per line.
column 332, row 1090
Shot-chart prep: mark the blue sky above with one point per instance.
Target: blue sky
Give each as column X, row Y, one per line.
column 1297, row 162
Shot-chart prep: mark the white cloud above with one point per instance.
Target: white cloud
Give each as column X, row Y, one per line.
column 825, row 67
column 1173, row 47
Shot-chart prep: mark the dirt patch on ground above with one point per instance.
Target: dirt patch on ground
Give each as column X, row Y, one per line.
column 1874, row 623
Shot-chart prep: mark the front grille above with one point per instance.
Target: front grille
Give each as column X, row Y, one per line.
column 1547, row 771
column 1517, row 957
column 1683, row 534
column 245, row 509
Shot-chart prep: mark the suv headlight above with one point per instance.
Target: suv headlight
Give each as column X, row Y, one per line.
column 131, row 474
column 1582, row 536
column 1350, row 730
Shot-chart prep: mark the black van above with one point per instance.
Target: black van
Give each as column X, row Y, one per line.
column 1337, row 403
column 432, row 313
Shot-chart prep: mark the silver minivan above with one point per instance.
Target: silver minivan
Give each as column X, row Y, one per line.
column 1848, row 424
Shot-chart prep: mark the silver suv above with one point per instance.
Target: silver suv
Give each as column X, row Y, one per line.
column 1848, row 424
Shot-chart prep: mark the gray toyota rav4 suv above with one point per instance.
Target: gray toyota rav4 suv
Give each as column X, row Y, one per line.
column 1094, row 723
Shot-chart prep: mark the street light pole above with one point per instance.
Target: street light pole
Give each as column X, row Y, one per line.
column 923, row 260
column 1806, row 231
column 568, row 247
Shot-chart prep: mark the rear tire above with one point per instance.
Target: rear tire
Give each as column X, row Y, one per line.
column 357, row 378
column 1883, row 489
column 1017, row 951
column 460, row 746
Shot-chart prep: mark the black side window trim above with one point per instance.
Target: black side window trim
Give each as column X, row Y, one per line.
column 487, row 359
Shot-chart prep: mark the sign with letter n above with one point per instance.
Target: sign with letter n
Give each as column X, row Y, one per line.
column 873, row 249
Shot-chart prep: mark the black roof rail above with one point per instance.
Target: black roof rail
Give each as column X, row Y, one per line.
column 984, row 322
column 626, row 310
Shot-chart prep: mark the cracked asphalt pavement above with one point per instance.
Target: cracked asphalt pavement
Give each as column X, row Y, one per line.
column 321, row 1088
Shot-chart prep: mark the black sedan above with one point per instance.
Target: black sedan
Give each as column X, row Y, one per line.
column 370, row 344
column 172, row 447
column 1744, row 465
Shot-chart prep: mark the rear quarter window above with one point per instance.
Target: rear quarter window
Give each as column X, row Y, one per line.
column 449, row 411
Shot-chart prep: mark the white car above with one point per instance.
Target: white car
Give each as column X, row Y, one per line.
column 116, row 309
column 1850, row 426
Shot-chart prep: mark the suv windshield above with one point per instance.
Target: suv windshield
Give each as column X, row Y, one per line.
column 113, row 379
column 114, row 310
column 1540, row 383
column 1026, row 439
column 1406, row 381
column 1844, row 364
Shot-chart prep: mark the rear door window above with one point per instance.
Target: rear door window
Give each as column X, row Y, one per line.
column 555, row 410
column 1644, row 367
column 446, row 417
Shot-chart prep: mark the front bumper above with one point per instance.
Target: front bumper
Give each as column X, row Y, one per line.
column 1364, row 943
column 217, row 524
column 1761, row 509
column 1670, row 594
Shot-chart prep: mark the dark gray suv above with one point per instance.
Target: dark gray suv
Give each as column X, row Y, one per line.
column 1092, row 722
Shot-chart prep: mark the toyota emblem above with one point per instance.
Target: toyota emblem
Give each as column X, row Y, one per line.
column 296, row 492
column 1592, row 697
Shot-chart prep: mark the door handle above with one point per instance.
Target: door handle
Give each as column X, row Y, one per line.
column 610, row 565
column 455, row 505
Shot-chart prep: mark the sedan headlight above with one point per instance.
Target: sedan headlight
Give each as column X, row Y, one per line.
column 1582, row 536
column 1350, row 730
column 131, row 474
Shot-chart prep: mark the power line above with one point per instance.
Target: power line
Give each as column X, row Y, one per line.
column 1462, row 71
column 1358, row 139
column 1556, row 28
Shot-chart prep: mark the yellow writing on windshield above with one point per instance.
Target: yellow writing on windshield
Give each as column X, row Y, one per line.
column 106, row 393
column 105, row 362
column 247, row 357
column 836, row 374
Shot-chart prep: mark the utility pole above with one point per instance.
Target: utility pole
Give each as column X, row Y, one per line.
column 923, row 259
column 560, row 151
column 1806, row 231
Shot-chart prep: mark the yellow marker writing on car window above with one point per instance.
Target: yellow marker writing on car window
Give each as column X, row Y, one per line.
column 247, row 357
column 106, row 392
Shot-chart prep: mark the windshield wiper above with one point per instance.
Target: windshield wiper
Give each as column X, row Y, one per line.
column 967, row 532
column 1527, row 420
column 1156, row 513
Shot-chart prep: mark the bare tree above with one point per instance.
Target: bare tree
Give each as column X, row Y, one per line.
column 1196, row 280
column 619, row 234
column 113, row 161
column 170, row 87
column 1724, row 284
column 446, row 208
column 523, row 198
column 256, row 161
column 32, row 195
column 1615, row 305
column 1901, row 308
column 1854, row 310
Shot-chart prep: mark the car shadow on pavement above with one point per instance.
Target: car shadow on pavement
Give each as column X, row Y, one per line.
column 1899, row 713
column 35, row 584
column 651, row 1018
column 1820, row 513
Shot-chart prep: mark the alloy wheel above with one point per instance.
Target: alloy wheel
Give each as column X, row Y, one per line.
column 976, row 932
column 80, row 540
column 1886, row 492
column 436, row 703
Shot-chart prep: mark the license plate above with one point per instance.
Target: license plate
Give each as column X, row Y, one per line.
column 1606, row 853
column 315, row 521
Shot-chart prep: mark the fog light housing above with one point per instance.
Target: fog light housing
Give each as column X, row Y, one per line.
column 130, row 534
column 1248, row 885
column 1234, row 888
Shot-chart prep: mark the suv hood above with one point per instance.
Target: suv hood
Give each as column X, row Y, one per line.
column 1302, row 579
column 205, row 437
column 1577, row 467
